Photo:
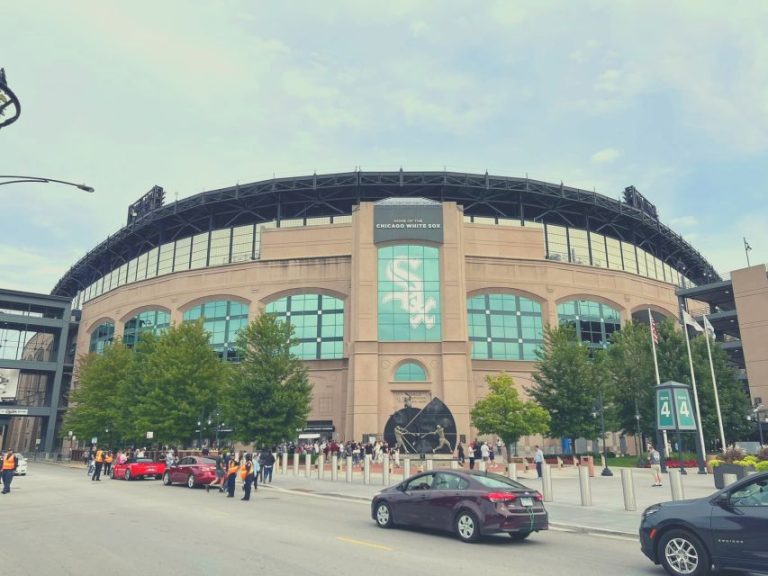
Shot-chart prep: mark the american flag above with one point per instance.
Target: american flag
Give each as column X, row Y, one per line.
column 654, row 334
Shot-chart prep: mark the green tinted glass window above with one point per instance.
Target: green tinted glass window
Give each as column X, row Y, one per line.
column 318, row 324
column 155, row 321
column 221, row 319
column 504, row 327
column 410, row 371
column 594, row 321
column 409, row 293
column 102, row 337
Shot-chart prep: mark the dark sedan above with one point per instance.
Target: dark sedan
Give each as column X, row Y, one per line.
column 728, row 530
column 192, row 471
column 470, row 504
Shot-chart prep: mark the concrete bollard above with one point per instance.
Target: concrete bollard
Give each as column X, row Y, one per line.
column 628, row 486
column 729, row 479
column 307, row 464
column 676, row 484
column 295, row 464
column 334, row 467
column 284, row 457
column 430, row 464
column 602, row 461
column 320, row 467
column 385, row 471
column 546, row 483
column 367, row 469
column 585, row 490
column 454, row 465
column 348, row 470
column 559, row 463
column 481, row 466
column 406, row 468
column 512, row 470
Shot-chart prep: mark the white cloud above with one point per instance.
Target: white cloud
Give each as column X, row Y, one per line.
column 605, row 156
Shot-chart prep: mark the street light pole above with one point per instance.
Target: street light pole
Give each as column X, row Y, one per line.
column 42, row 180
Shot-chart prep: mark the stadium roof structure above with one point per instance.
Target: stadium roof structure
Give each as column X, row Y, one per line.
column 335, row 194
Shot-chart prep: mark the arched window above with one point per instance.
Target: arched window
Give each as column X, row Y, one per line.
column 318, row 324
column 504, row 327
column 155, row 321
column 222, row 319
column 102, row 336
column 409, row 293
column 410, row 372
column 594, row 321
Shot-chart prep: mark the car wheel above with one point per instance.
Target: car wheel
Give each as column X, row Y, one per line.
column 683, row 554
column 467, row 527
column 127, row 475
column 166, row 479
column 191, row 481
column 384, row 515
column 519, row 536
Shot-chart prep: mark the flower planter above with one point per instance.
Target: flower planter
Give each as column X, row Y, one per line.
column 723, row 469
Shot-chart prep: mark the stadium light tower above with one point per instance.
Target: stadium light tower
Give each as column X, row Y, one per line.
column 39, row 179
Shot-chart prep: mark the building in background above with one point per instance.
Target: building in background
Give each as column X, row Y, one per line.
column 400, row 285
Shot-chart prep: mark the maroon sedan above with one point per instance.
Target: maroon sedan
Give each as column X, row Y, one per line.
column 468, row 503
column 192, row 471
column 137, row 468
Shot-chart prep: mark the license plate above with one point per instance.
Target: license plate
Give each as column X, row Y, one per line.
column 527, row 502
column 150, row 469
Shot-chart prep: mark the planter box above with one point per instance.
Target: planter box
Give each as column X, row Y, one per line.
column 740, row 471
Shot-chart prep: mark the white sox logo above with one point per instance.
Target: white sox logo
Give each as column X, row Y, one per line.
column 403, row 272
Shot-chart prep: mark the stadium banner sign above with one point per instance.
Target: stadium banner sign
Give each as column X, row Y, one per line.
column 421, row 222
column 9, row 384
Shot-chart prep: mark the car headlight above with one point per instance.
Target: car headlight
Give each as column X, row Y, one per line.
column 651, row 510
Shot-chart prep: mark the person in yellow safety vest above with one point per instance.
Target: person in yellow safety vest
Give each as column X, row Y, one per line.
column 99, row 460
column 108, row 457
column 10, row 462
column 247, row 474
column 234, row 465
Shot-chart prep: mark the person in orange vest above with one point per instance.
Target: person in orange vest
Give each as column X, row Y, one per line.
column 232, row 469
column 10, row 462
column 108, row 457
column 247, row 475
column 99, row 460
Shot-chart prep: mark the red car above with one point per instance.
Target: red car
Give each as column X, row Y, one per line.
column 137, row 468
column 192, row 471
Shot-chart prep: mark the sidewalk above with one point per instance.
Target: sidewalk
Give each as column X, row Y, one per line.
column 606, row 515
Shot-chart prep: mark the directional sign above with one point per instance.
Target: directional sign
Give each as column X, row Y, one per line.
column 665, row 410
column 684, row 409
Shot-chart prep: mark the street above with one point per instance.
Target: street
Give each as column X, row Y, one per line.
column 57, row 521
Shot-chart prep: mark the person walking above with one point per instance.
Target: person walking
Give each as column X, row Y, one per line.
column 10, row 463
column 99, row 461
column 234, row 465
column 220, row 472
column 654, row 458
column 269, row 464
column 538, row 459
column 108, row 462
column 460, row 454
column 247, row 475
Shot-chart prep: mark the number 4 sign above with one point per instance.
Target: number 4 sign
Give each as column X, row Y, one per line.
column 673, row 408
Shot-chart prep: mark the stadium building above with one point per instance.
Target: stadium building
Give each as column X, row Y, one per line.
column 403, row 287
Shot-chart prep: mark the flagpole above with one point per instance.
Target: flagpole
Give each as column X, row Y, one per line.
column 714, row 384
column 702, row 470
column 656, row 368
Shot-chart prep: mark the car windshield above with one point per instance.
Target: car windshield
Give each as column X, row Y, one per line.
column 498, row 481
column 206, row 461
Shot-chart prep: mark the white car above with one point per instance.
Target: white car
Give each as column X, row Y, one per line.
column 21, row 469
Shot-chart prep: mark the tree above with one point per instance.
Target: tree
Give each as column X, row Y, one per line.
column 97, row 403
column 502, row 412
column 268, row 396
column 177, row 380
column 567, row 384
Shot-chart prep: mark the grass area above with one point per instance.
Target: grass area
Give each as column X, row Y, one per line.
column 621, row 461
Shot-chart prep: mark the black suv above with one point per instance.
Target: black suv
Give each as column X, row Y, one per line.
column 728, row 530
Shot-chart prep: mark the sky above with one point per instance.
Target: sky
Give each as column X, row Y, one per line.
column 671, row 97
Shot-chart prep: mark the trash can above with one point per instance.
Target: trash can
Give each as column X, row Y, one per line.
column 589, row 462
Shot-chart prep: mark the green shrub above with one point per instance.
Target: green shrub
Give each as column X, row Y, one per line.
column 715, row 463
column 762, row 466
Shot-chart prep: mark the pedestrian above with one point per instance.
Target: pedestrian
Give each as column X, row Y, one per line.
column 108, row 462
column 478, row 450
column 99, row 463
column 460, row 454
column 234, row 465
column 269, row 464
column 247, row 476
column 10, row 463
column 654, row 458
column 220, row 471
column 538, row 459
column 471, row 456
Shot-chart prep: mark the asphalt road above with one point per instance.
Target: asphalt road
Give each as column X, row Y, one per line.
column 58, row 522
